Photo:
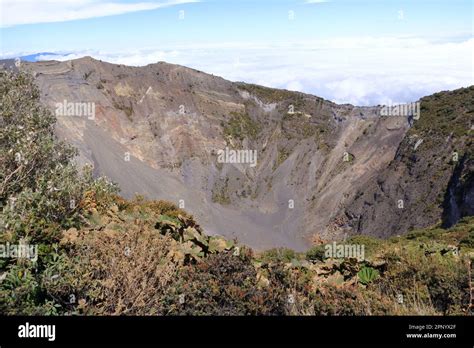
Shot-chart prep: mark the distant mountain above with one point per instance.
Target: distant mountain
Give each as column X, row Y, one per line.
column 323, row 170
column 35, row 57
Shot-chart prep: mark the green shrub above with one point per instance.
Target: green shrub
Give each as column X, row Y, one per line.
column 371, row 244
column 41, row 191
column 279, row 255
column 427, row 279
column 241, row 126
column 367, row 275
column 316, row 253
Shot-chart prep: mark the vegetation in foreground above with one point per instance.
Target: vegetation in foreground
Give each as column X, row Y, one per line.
column 99, row 254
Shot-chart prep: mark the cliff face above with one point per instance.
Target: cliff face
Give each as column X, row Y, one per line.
column 432, row 172
column 459, row 197
column 322, row 169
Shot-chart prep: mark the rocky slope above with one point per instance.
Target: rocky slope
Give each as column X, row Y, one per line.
column 323, row 170
column 432, row 172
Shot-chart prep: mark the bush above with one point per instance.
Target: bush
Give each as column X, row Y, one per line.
column 121, row 273
column 224, row 284
column 316, row 253
column 41, row 191
column 371, row 244
column 430, row 282
column 279, row 255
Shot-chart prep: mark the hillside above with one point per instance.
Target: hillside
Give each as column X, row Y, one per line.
column 171, row 121
column 100, row 254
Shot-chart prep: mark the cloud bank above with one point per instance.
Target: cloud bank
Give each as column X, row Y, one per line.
column 359, row 71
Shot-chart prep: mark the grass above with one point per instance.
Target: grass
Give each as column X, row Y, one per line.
column 220, row 193
column 282, row 156
column 128, row 110
column 272, row 95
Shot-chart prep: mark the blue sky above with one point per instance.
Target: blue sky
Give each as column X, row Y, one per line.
column 344, row 50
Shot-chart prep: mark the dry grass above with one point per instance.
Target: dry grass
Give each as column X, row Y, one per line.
column 122, row 273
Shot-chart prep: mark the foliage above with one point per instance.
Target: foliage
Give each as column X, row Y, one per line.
column 451, row 112
column 225, row 284
column 241, row 126
column 278, row 255
column 371, row 244
column 316, row 253
column 272, row 95
column 41, row 190
column 367, row 275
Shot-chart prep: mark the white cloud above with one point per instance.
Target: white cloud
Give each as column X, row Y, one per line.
column 18, row 12
column 294, row 86
column 360, row 71
column 316, row 1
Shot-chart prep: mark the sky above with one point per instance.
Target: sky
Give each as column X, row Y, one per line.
column 363, row 52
